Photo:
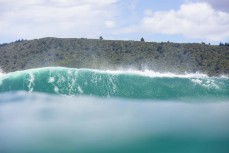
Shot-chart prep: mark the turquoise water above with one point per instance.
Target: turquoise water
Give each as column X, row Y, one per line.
column 134, row 84
column 80, row 110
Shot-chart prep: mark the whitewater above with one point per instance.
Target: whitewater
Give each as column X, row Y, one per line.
column 58, row 109
column 127, row 84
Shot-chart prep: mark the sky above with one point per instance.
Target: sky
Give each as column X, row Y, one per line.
column 154, row 20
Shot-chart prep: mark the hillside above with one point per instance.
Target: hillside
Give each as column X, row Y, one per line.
column 109, row 54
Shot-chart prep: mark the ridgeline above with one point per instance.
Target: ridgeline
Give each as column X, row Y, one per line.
column 113, row 54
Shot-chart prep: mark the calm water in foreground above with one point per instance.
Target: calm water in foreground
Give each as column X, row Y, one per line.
column 47, row 123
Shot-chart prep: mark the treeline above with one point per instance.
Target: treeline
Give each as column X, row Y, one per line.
column 109, row 54
column 17, row 41
column 224, row 44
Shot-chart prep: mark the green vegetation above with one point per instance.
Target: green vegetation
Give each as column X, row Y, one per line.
column 109, row 54
column 142, row 39
column 226, row 44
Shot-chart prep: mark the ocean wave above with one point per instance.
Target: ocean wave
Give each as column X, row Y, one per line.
column 122, row 83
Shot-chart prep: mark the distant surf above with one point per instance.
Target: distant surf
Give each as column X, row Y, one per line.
column 126, row 84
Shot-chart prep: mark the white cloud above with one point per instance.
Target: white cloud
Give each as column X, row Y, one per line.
column 110, row 24
column 133, row 5
column 192, row 20
column 219, row 4
column 91, row 18
column 60, row 18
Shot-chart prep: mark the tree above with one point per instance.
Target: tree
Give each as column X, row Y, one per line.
column 101, row 38
column 142, row 39
column 221, row 44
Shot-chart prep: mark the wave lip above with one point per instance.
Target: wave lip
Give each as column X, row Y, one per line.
column 106, row 83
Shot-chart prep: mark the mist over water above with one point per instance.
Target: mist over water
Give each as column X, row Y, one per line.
column 82, row 110
column 44, row 123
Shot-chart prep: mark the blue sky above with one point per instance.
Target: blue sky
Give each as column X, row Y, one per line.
column 155, row 20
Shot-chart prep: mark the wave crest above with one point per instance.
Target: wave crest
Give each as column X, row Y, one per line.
column 106, row 83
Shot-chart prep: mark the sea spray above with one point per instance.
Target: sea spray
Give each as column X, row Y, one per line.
column 1, row 75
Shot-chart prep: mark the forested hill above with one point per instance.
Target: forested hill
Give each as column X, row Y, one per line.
column 110, row 54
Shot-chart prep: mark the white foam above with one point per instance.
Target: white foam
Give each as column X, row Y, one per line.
column 224, row 76
column 197, row 81
column 51, row 80
column 146, row 72
column 151, row 73
column 209, row 83
column 56, row 89
column 80, row 90
column 31, row 82
column 1, row 72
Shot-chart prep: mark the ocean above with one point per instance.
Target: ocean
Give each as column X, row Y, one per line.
column 57, row 109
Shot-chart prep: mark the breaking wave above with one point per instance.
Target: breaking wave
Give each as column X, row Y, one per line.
column 126, row 84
